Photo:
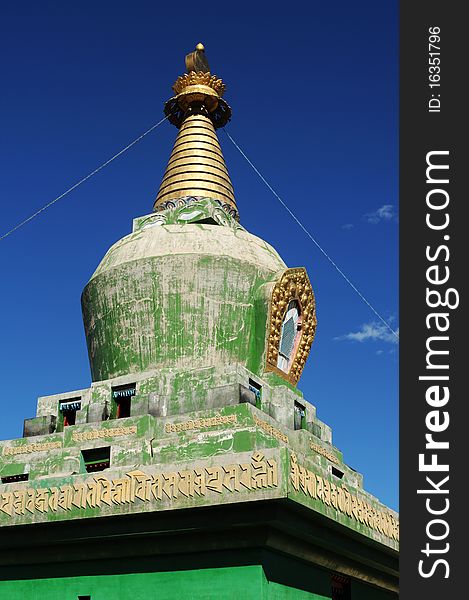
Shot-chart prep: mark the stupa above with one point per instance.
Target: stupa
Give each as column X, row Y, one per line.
column 192, row 467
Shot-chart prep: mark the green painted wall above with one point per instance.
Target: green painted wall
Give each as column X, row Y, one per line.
column 237, row 583
column 181, row 296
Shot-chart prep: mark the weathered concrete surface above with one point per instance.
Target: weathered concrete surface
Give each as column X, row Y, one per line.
column 190, row 238
column 235, row 454
column 179, row 296
column 171, row 392
column 182, row 425
column 39, row 425
column 192, row 442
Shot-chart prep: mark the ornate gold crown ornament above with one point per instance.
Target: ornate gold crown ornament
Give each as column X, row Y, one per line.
column 198, row 90
column 201, row 81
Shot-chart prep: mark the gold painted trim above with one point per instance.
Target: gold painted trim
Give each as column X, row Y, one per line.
column 190, row 191
column 196, row 177
column 201, row 154
column 185, row 166
column 196, row 183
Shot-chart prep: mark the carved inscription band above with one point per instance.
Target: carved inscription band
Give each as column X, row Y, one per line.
column 258, row 474
column 271, row 430
column 95, row 434
column 341, row 499
column 28, row 448
column 324, row 452
column 200, row 423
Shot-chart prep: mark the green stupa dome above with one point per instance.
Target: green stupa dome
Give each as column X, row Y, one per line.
column 183, row 296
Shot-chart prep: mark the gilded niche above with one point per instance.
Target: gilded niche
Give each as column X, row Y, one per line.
column 292, row 324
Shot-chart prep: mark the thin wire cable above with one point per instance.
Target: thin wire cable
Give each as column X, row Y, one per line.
column 38, row 212
column 312, row 239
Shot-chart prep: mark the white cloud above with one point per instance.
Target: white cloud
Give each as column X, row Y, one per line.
column 348, row 226
column 371, row 331
column 384, row 213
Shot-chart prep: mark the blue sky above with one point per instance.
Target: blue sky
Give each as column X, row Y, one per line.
column 314, row 93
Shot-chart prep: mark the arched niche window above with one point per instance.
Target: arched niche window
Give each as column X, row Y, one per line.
column 290, row 336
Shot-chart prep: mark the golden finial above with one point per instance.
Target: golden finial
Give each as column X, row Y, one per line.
column 196, row 167
column 198, row 88
column 197, row 61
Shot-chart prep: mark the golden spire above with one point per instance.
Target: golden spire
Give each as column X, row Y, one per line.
column 196, row 167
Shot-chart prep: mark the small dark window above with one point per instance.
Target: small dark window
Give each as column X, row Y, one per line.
column 84, row 597
column 299, row 416
column 121, row 396
column 208, row 221
column 257, row 389
column 316, row 430
column 15, row 478
column 337, row 472
column 96, row 459
column 68, row 410
column 340, row 587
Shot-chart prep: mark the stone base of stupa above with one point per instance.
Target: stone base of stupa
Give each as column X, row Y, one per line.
column 218, row 485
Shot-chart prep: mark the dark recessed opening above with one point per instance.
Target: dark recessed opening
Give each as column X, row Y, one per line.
column 257, row 389
column 68, row 409
column 208, row 221
column 69, row 418
column 96, row 459
column 122, row 397
column 15, row 478
column 337, row 472
column 340, row 587
column 299, row 416
column 123, row 408
column 316, row 430
column 84, row 598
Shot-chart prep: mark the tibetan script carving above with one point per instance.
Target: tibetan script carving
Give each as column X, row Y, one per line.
column 28, row 448
column 324, row 452
column 200, row 423
column 271, row 430
column 94, row 434
column 260, row 473
column 340, row 498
